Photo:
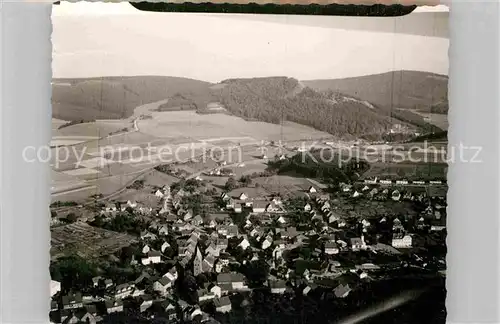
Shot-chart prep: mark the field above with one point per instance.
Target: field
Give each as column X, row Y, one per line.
column 285, row 185
column 437, row 119
column 86, row 241
column 212, row 127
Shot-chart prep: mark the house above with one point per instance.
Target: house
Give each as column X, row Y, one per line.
column 244, row 244
column 162, row 286
column 268, row 241
column 277, row 286
column 291, row 232
column 53, row 305
column 331, row 248
column 152, row 257
column 211, row 223
column 159, row 194
column 113, row 306
column 164, row 247
column 172, row 274
column 309, row 288
column 146, row 235
column 163, row 230
column 197, row 220
column 221, row 244
column 124, row 290
column 187, row 216
column 147, row 302
column 243, row 196
column 281, row 220
column 169, row 309
column 212, row 250
column 259, row 206
column 79, row 316
column 223, row 304
column 208, row 263
column 357, row 243
column 312, row 190
column 55, row 287
column 108, row 283
column 235, row 279
column 171, row 218
column 402, row 243
column 342, row 291
column 72, row 301
column 228, row 231
column 225, row 197
column 204, row 295
column 307, row 207
column 143, row 277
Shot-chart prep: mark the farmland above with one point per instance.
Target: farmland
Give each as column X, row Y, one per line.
column 86, row 241
column 122, row 127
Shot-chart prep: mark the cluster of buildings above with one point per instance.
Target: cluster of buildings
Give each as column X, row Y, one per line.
column 206, row 244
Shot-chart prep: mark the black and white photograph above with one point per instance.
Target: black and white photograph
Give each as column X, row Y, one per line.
column 242, row 168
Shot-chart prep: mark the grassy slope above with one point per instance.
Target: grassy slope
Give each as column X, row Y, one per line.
column 114, row 97
column 412, row 89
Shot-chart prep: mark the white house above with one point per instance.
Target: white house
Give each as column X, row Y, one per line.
column 402, row 243
column 159, row 194
column 55, row 287
column 267, row 242
column 244, row 244
column 147, row 302
column 216, row 290
column 312, row 190
column 152, row 257
column 243, row 196
column 277, row 286
column 124, row 290
column 172, row 274
column 331, row 248
column 114, row 306
column 162, row 286
column 307, row 207
column 163, row 230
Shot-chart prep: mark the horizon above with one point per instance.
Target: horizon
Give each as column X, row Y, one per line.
column 241, row 78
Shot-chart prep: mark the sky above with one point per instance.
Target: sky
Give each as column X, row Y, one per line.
column 103, row 39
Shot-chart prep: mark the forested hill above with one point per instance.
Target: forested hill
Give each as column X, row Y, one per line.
column 285, row 99
column 399, row 89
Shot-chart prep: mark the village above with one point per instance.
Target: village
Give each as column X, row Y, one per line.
column 197, row 252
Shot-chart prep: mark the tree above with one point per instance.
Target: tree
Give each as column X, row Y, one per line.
column 73, row 272
column 256, row 272
column 230, row 184
column 71, row 217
